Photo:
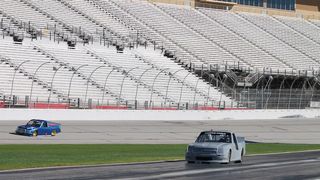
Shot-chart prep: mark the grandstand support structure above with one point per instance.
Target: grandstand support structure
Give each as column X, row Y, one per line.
column 270, row 91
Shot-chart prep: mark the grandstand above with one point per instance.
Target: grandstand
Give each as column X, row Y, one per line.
column 149, row 55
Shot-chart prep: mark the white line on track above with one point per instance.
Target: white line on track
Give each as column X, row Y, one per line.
column 132, row 163
column 194, row 172
column 279, row 153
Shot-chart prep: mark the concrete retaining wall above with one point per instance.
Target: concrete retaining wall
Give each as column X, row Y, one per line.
column 63, row 114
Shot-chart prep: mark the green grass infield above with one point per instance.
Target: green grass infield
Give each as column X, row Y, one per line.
column 31, row 156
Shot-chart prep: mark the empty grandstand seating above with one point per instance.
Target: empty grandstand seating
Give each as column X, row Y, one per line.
column 297, row 41
column 29, row 16
column 95, row 75
column 248, row 53
column 61, row 60
column 97, row 14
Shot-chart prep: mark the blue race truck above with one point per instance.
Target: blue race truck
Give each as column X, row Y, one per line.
column 37, row 127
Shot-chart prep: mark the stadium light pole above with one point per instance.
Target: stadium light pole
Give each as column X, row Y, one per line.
column 154, row 80
column 291, row 90
column 70, row 82
column 34, row 74
column 282, row 82
column 85, row 97
column 13, row 78
column 165, row 99
column 137, row 87
column 124, row 77
column 105, row 82
column 52, row 79
column 182, row 87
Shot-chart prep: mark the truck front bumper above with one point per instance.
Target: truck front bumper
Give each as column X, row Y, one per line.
column 205, row 158
column 24, row 132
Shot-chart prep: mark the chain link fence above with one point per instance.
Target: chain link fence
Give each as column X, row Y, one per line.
column 242, row 99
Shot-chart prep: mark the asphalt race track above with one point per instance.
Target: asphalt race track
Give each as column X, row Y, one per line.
column 167, row 132
column 293, row 166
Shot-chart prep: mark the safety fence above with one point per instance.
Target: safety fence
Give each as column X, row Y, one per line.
column 241, row 99
column 278, row 98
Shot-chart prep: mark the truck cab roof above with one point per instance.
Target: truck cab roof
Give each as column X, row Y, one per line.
column 217, row 131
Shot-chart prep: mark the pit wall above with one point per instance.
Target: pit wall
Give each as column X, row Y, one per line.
column 153, row 115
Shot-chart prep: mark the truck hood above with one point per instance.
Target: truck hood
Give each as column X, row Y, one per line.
column 26, row 127
column 209, row 145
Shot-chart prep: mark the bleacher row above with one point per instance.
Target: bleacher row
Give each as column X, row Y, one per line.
column 201, row 37
column 100, row 75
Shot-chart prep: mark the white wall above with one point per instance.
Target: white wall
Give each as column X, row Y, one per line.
column 62, row 114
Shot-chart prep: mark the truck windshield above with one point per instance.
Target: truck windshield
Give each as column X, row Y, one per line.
column 34, row 123
column 214, row 137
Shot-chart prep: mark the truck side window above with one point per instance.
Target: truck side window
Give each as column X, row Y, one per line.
column 235, row 141
column 45, row 124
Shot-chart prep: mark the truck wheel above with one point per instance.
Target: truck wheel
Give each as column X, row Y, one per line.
column 229, row 157
column 53, row 133
column 35, row 133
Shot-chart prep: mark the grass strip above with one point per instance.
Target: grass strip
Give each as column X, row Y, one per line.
column 30, row 156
